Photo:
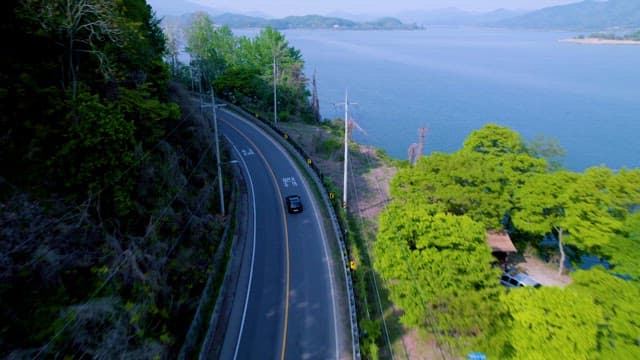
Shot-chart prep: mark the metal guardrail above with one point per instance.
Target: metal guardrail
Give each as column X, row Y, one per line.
column 339, row 227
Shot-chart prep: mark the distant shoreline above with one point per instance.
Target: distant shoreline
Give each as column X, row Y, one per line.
column 596, row 41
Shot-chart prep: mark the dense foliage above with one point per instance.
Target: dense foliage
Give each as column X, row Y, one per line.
column 242, row 71
column 105, row 189
column 432, row 251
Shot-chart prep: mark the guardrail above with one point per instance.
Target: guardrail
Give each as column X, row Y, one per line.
column 332, row 205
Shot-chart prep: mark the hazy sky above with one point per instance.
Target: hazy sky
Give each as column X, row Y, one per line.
column 304, row 7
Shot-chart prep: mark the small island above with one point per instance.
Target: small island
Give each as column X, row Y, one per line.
column 606, row 39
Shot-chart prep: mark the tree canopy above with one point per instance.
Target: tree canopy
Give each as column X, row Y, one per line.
column 479, row 180
column 431, row 250
column 438, row 269
column 243, row 72
column 106, row 233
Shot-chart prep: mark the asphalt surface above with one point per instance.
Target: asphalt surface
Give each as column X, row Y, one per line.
column 284, row 302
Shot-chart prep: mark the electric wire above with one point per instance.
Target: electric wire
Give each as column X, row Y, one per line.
column 150, row 228
column 431, row 320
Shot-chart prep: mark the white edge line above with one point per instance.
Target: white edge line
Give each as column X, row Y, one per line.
column 253, row 251
column 329, row 267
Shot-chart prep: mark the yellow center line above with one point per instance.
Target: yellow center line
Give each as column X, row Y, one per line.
column 286, row 238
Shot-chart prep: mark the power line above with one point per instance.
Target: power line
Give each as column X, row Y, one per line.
column 127, row 253
column 68, row 214
column 93, row 295
column 431, row 319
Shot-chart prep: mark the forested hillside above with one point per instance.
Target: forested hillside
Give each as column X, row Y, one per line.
column 584, row 15
column 431, row 249
column 106, row 189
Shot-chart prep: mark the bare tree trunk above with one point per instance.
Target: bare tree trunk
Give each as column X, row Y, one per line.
column 72, row 72
column 562, row 254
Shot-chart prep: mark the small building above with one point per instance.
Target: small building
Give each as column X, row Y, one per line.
column 501, row 246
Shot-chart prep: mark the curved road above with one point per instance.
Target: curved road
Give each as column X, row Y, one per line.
column 285, row 303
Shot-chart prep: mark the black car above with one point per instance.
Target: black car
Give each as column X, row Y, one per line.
column 294, row 204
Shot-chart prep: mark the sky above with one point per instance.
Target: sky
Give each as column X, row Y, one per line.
column 279, row 8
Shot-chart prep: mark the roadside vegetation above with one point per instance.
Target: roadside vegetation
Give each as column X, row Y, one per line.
column 431, row 250
column 107, row 215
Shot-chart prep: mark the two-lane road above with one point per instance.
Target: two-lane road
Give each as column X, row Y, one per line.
column 285, row 303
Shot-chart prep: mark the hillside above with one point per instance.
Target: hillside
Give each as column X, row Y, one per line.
column 585, row 15
column 238, row 21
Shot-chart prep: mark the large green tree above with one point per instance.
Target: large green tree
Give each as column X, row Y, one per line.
column 595, row 210
column 245, row 70
column 212, row 48
column 541, row 206
column 479, row 180
column 438, row 270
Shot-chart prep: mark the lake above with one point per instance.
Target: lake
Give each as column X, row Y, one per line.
column 454, row 80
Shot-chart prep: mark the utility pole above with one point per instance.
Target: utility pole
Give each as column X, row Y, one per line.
column 275, row 90
column 215, row 128
column 214, row 109
column 346, row 147
column 315, row 101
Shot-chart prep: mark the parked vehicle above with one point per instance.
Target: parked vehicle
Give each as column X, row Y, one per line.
column 513, row 278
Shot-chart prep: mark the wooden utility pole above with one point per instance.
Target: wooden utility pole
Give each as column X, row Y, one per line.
column 215, row 127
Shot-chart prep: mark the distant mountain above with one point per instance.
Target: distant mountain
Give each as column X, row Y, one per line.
column 585, row 15
column 310, row 22
column 240, row 21
column 171, row 8
column 452, row 16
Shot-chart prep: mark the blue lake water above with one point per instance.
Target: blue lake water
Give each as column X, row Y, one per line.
column 455, row 80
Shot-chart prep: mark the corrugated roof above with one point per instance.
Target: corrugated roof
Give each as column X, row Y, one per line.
column 500, row 241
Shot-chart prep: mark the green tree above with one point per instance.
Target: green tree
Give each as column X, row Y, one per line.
column 548, row 149
column 594, row 214
column 617, row 299
column 552, row 323
column 493, row 139
column 438, row 270
column 478, row 180
column 623, row 252
column 98, row 151
column 542, row 203
column 80, row 27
